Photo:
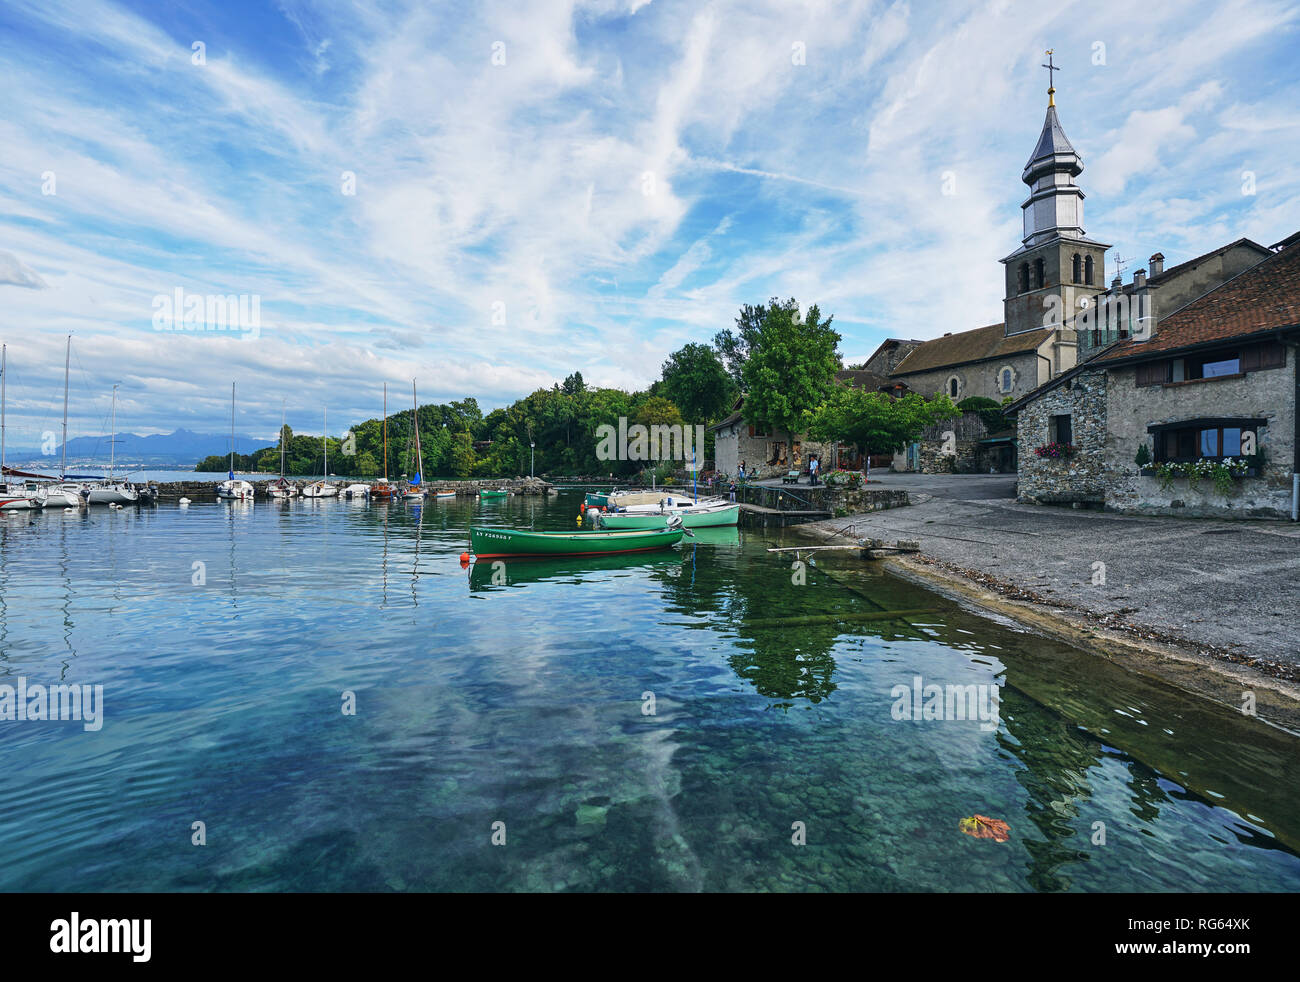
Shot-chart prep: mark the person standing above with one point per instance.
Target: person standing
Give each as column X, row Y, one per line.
column 813, row 466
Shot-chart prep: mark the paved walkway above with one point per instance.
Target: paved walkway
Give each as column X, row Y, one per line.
column 1231, row 585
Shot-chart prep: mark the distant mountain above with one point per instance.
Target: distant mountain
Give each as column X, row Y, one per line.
column 182, row 446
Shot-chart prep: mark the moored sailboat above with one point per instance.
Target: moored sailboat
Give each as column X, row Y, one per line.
column 323, row 489
column 63, row 494
column 230, row 488
column 382, row 490
column 13, row 497
column 414, row 492
column 114, row 492
column 281, row 488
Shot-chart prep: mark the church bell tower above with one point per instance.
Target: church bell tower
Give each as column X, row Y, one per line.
column 1056, row 266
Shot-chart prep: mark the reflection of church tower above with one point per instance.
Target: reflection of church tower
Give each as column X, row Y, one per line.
column 1056, row 267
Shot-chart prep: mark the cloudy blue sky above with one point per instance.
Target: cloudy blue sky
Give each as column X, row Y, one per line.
column 549, row 186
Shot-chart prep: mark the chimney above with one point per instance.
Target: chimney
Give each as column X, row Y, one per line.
column 1157, row 264
column 948, row 334
column 1140, row 280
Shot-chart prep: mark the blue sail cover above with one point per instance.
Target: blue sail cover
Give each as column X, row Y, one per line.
column 230, row 475
column 415, row 479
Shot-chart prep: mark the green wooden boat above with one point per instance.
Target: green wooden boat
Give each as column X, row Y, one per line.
column 594, row 500
column 502, row 543
column 492, row 494
column 692, row 518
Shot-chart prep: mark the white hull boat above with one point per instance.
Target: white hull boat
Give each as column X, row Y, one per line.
column 64, row 496
column 320, row 489
column 112, row 494
column 235, row 491
column 21, row 497
column 355, row 492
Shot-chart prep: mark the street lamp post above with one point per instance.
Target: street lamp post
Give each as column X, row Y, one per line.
column 530, row 458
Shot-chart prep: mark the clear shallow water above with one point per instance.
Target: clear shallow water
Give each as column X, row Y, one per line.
column 521, row 702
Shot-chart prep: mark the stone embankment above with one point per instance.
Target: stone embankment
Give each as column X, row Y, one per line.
column 207, row 490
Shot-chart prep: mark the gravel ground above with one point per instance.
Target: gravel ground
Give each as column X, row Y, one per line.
column 1230, row 587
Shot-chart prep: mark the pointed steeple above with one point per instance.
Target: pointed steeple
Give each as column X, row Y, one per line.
column 1055, row 203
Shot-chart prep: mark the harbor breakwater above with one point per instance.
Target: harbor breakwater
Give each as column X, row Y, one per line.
column 207, row 490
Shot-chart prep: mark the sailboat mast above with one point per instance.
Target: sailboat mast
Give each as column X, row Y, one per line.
column 231, row 475
column 4, row 351
column 282, row 439
column 415, row 421
column 325, row 440
column 112, row 439
column 385, row 432
column 67, row 363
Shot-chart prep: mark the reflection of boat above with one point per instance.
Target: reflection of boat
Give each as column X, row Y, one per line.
column 499, row 543
column 501, row 493
column 705, row 516
column 567, row 569
column 722, row 535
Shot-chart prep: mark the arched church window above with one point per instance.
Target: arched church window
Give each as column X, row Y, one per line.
column 1087, row 271
column 1038, row 272
column 1024, row 277
column 1076, row 273
column 952, row 387
column 1006, row 380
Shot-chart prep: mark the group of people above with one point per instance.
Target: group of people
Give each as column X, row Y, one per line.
column 814, row 469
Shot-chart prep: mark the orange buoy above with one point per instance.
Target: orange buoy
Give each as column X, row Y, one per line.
column 464, row 559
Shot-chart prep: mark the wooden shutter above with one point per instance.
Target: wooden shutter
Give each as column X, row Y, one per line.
column 1250, row 358
column 1272, row 354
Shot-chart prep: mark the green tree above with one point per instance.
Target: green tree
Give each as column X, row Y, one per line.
column 734, row 347
column 462, row 455
column 696, row 380
column 791, row 366
column 875, row 422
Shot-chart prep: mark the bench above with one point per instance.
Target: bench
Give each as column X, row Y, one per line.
column 791, row 477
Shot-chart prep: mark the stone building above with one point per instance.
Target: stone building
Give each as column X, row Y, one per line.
column 1214, row 381
column 767, row 453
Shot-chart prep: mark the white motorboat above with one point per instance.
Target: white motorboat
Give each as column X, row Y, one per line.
column 356, row 492
column 233, row 490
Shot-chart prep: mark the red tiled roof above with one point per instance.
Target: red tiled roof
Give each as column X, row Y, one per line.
column 1262, row 298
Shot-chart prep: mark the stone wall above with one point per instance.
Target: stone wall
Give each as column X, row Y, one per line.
column 982, row 378
column 1078, row 479
column 207, row 490
column 1110, row 414
column 1267, row 394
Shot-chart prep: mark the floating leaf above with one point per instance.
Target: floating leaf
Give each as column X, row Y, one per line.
column 983, row 827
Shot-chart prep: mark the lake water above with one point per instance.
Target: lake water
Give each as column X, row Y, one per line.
column 664, row 722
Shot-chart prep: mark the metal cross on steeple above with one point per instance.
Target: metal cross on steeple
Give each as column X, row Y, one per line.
column 1051, row 78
